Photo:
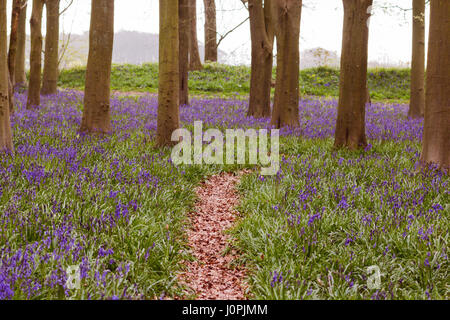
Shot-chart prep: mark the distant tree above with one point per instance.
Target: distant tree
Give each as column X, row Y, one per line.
column 51, row 57
column 96, row 112
column 436, row 136
column 350, row 126
column 195, row 62
column 210, row 30
column 286, row 16
column 5, row 124
column 262, row 38
column 169, row 81
column 34, row 98
column 19, row 70
column 417, row 102
column 184, row 51
column 17, row 6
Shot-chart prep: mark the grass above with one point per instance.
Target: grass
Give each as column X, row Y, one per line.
column 117, row 206
column 384, row 84
column 313, row 231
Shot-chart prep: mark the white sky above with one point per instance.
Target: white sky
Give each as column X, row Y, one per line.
column 390, row 33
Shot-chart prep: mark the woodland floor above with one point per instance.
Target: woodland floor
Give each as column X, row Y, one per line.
column 212, row 275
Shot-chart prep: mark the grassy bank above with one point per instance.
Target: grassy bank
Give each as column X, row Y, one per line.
column 392, row 84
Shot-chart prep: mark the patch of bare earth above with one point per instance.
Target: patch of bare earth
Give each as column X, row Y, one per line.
column 211, row 276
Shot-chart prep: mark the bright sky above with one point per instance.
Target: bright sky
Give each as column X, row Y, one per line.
column 390, row 33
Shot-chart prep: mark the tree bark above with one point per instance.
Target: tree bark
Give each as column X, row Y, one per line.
column 184, row 51
column 350, row 126
column 262, row 38
column 11, row 100
column 286, row 15
column 210, row 31
column 436, row 136
column 5, row 124
column 195, row 62
column 34, row 98
column 417, row 100
column 50, row 77
column 96, row 113
column 20, row 76
column 15, row 15
column 169, row 81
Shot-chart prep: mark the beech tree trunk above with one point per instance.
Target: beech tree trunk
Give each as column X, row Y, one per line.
column 15, row 15
column 19, row 72
column 34, row 98
column 5, row 124
column 350, row 126
column 436, row 136
column 169, row 81
column 195, row 62
column 96, row 113
column 417, row 100
column 210, row 31
column 50, row 77
column 262, row 37
column 184, row 51
column 286, row 15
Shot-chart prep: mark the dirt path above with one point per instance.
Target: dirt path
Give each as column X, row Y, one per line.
column 210, row 276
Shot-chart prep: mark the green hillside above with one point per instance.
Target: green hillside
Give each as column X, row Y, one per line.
column 227, row 80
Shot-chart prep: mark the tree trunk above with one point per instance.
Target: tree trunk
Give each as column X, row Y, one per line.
column 210, row 31
column 20, row 76
column 169, row 81
column 194, row 54
column 5, row 124
column 34, row 98
column 262, row 37
column 17, row 4
column 184, row 51
column 11, row 100
column 50, row 77
column 96, row 113
column 350, row 126
column 417, row 102
column 287, row 15
column 436, row 136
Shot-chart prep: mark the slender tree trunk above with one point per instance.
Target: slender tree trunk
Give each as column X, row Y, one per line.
column 350, row 126
column 287, row 15
column 20, row 76
column 11, row 100
column 417, row 102
column 15, row 15
column 169, row 81
column 34, row 98
column 184, row 51
column 5, row 124
column 50, row 77
column 436, row 137
column 210, row 31
column 194, row 54
column 262, row 37
column 96, row 113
